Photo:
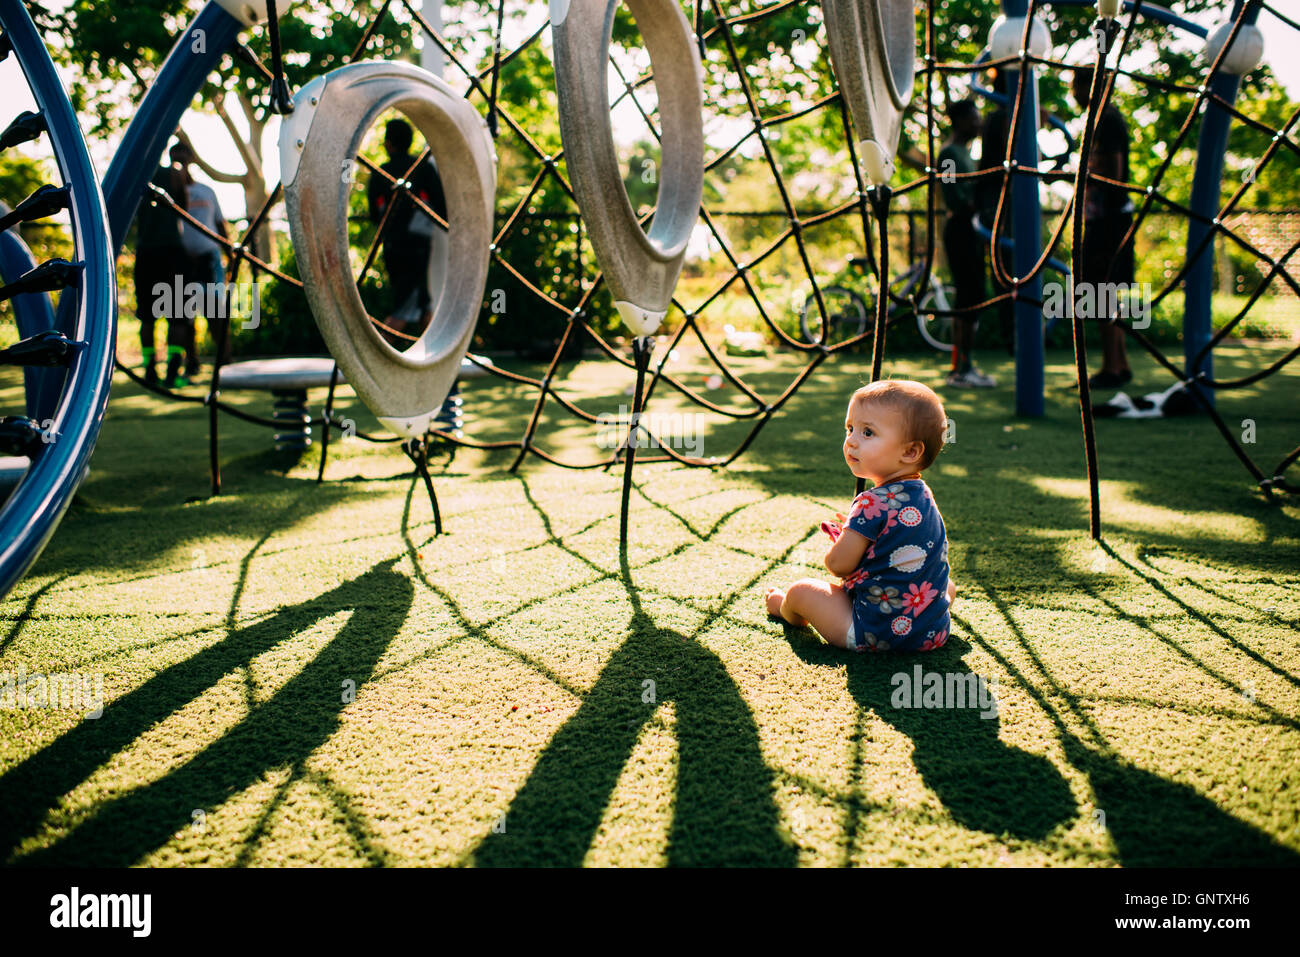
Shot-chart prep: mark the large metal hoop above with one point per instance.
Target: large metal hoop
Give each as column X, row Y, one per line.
column 640, row 269
column 318, row 150
column 873, row 50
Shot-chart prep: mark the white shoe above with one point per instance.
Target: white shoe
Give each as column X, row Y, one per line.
column 972, row 378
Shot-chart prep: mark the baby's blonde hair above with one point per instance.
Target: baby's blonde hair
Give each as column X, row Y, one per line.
column 924, row 419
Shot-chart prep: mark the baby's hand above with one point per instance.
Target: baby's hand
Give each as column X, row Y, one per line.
column 833, row 529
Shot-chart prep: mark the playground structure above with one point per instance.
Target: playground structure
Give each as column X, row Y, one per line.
column 876, row 74
column 68, row 356
column 404, row 389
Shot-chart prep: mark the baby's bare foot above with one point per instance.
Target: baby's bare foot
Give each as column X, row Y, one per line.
column 773, row 598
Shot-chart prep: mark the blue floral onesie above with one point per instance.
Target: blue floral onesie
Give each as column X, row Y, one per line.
column 899, row 590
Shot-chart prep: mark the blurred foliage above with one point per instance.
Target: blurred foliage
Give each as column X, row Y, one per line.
column 20, row 176
column 286, row 326
column 117, row 49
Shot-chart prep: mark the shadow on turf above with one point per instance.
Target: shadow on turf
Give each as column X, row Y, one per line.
column 131, row 541
column 1152, row 822
column 281, row 732
column 983, row 783
column 29, row 604
column 723, row 814
column 1156, row 585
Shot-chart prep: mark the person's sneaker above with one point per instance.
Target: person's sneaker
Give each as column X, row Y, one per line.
column 1109, row 380
column 175, row 359
column 972, row 378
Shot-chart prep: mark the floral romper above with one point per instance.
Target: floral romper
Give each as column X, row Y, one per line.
column 899, row 590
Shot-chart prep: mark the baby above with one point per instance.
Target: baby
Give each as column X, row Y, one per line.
column 892, row 550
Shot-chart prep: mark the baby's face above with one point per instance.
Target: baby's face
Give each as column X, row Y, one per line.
column 874, row 442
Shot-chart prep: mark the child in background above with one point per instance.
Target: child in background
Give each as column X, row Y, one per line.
column 891, row 552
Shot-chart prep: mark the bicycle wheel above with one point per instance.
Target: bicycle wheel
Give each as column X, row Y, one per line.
column 936, row 329
column 846, row 310
column 75, row 356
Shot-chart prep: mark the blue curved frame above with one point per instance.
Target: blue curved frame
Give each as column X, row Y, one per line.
column 993, row 96
column 75, row 402
column 986, row 234
column 34, row 508
column 1152, row 11
column 89, row 317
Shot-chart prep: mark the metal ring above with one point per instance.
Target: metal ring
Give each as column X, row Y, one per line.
column 640, row 269
column 873, row 51
column 318, row 150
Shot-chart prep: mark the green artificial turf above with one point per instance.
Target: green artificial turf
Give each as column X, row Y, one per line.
column 297, row 673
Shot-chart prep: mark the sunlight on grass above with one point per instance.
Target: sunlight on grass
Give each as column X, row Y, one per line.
column 1119, row 505
column 635, row 829
column 149, row 759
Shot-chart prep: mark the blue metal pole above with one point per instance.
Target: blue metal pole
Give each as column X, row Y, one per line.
column 1151, row 11
column 1027, row 229
column 1207, row 185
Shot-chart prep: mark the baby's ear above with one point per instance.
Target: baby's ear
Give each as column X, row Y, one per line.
column 914, row 451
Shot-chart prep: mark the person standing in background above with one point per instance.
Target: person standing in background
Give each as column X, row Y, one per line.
column 1107, row 216
column 408, row 231
column 961, row 244
column 993, row 150
column 159, row 254
column 205, row 262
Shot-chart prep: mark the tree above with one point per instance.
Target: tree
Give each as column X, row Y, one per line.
column 116, row 53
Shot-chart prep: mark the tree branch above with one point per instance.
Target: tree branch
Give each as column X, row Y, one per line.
column 246, row 105
column 204, row 165
column 255, row 126
column 245, row 153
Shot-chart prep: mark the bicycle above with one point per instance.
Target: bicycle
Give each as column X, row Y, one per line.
column 851, row 311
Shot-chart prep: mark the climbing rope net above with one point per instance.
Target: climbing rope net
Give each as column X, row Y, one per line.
column 716, row 28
